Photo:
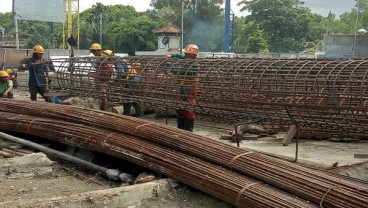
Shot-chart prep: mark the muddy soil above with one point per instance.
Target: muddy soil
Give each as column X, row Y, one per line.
column 183, row 197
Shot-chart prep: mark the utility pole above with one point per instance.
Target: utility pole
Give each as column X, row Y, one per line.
column 16, row 31
column 330, row 17
column 227, row 27
column 101, row 29
column 16, row 26
column 356, row 28
column 182, row 27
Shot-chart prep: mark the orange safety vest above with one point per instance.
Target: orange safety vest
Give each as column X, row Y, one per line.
column 132, row 72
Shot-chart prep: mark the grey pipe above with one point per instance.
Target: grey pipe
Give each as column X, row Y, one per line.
column 111, row 173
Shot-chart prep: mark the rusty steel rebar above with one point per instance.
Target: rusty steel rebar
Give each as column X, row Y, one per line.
column 324, row 97
column 219, row 182
column 308, row 184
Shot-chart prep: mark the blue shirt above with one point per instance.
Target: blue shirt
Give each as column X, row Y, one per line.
column 37, row 75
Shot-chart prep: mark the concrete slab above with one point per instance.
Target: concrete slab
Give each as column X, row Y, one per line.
column 313, row 152
column 115, row 197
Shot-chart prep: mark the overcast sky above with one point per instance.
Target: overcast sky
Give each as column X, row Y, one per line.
column 318, row 6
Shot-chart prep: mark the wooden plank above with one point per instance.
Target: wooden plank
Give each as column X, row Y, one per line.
column 6, row 154
column 61, row 94
column 361, row 156
column 15, row 153
column 127, row 196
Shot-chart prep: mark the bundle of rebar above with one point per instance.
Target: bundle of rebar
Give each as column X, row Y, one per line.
column 322, row 97
column 311, row 185
column 210, row 178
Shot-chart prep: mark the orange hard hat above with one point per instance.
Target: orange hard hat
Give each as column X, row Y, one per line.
column 192, row 49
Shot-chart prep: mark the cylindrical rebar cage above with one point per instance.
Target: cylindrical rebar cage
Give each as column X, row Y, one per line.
column 322, row 97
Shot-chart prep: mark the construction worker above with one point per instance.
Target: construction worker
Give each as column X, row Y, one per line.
column 12, row 76
column 104, row 73
column 39, row 77
column 96, row 49
column 188, row 78
column 127, row 75
column 6, row 85
column 133, row 86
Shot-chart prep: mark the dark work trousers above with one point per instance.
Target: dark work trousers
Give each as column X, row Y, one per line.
column 186, row 124
column 137, row 107
column 41, row 90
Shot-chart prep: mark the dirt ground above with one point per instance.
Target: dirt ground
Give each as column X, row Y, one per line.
column 61, row 182
column 183, row 197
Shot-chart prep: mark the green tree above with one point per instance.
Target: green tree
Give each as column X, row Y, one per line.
column 286, row 23
column 257, row 42
column 133, row 35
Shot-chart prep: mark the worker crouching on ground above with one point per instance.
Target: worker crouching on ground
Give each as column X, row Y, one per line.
column 39, row 77
column 127, row 76
column 12, row 76
column 188, row 78
column 6, row 85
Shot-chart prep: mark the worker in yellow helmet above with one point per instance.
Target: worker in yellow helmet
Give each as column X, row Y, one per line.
column 13, row 76
column 6, row 85
column 39, row 76
column 96, row 49
column 188, row 79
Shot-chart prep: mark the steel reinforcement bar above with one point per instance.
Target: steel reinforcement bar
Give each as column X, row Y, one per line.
column 322, row 97
column 311, row 185
column 210, row 178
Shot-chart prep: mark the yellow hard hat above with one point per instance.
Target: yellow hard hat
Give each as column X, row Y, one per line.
column 106, row 53
column 95, row 46
column 4, row 74
column 38, row 49
column 192, row 49
column 9, row 71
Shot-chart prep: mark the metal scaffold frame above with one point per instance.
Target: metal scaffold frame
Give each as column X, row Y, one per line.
column 71, row 25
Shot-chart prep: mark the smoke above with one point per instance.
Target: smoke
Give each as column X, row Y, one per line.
column 206, row 34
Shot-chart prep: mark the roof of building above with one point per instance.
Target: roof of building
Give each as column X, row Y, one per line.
column 168, row 29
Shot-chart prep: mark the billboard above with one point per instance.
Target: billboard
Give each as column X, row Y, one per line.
column 39, row 10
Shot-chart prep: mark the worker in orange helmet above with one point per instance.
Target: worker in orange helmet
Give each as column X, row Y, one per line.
column 188, row 78
column 39, row 76
column 6, row 85
column 96, row 49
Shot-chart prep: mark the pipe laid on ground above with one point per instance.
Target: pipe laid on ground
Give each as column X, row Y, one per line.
column 113, row 174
